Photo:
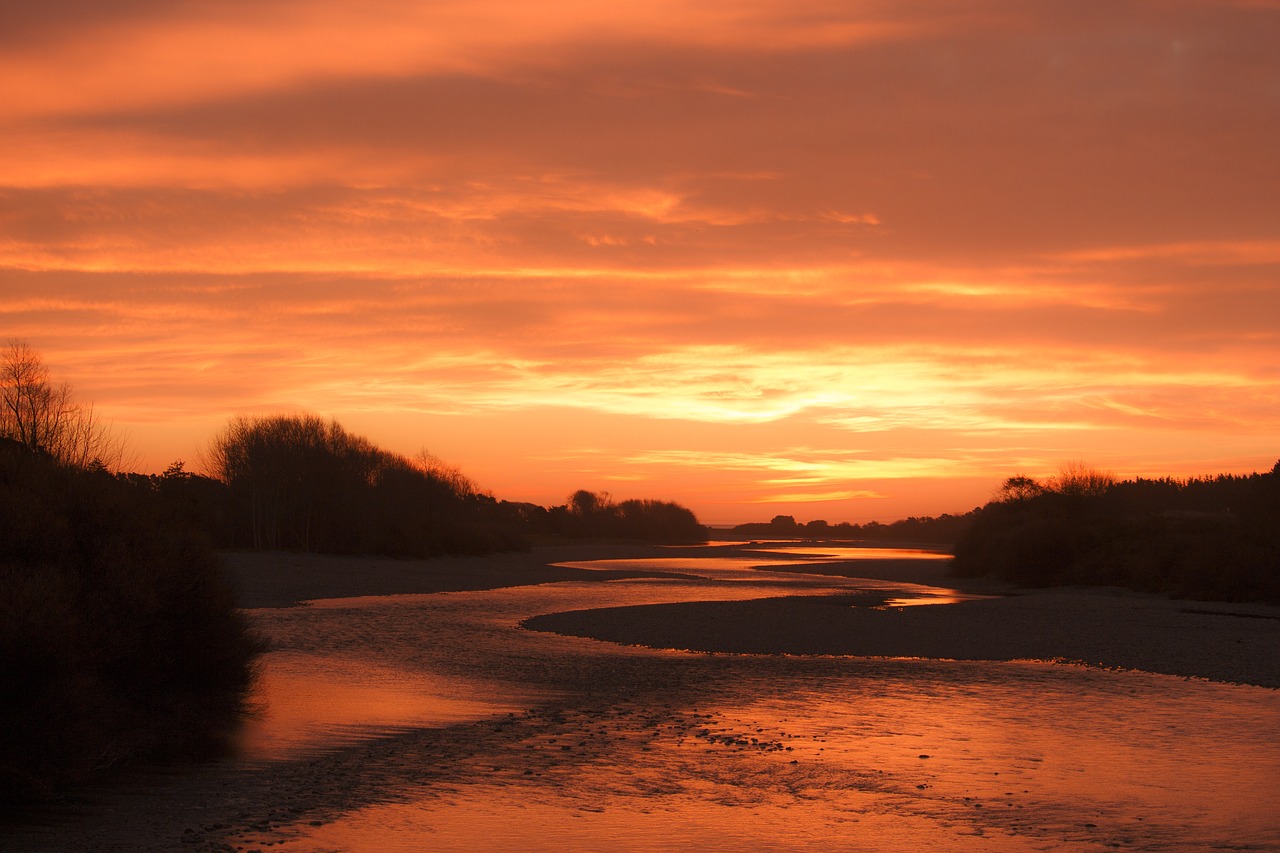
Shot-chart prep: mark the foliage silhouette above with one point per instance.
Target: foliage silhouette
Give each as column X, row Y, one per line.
column 589, row 514
column 1212, row 538
column 298, row 482
column 119, row 634
column 44, row 418
column 302, row 483
column 942, row 530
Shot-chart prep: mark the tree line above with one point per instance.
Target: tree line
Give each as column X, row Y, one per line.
column 299, row 482
column 944, row 529
column 1208, row 538
column 303, row 483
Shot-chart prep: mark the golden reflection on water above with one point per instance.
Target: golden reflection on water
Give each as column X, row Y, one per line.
column 777, row 753
column 940, row 596
column 1123, row 749
column 710, row 817
column 851, row 553
column 750, row 570
column 305, row 702
column 1023, row 757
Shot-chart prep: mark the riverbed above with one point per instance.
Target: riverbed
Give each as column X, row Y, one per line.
column 445, row 721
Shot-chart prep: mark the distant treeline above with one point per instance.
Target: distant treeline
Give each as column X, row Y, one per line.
column 302, row 483
column 595, row 515
column 943, row 530
column 1215, row 538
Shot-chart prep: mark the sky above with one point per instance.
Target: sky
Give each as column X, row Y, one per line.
column 838, row 259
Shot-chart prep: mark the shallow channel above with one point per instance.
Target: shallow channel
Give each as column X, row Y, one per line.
column 479, row 735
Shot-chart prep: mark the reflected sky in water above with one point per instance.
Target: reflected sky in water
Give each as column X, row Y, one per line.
column 304, row 703
column 483, row 736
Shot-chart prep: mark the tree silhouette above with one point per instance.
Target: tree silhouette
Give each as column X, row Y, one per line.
column 1209, row 538
column 300, row 482
column 1019, row 488
column 1077, row 479
column 44, row 418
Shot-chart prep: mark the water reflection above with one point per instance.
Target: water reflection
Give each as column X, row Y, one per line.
column 760, row 570
column 648, row 750
column 859, row 553
column 711, row 818
column 941, row 596
column 995, row 757
column 303, row 703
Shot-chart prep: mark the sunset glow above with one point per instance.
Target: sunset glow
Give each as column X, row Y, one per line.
column 849, row 261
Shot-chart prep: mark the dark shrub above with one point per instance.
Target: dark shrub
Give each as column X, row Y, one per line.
column 1214, row 539
column 119, row 636
column 303, row 483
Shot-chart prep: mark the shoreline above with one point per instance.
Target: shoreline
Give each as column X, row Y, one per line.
column 1098, row 627
column 288, row 579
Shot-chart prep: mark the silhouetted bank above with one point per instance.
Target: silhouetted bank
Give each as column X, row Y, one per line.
column 1212, row 539
column 119, row 634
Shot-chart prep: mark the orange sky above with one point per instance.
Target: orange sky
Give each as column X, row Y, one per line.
column 843, row 260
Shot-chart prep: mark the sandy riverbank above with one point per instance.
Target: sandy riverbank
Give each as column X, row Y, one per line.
column 283, row 579
column 1095, row 627
column 1098, row 627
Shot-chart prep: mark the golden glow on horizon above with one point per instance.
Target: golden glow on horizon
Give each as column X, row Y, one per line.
column 890, row 254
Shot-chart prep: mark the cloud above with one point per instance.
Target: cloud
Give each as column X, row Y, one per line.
column 819, row 497
column 97, row 62
column 958, row 239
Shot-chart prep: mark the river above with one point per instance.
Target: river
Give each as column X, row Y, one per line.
column 626, row 748
column 437, row 722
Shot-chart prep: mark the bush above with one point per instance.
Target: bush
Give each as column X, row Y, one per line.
column 590, row 514
column 303, row 483
column 119, row 635
column 1213, row 539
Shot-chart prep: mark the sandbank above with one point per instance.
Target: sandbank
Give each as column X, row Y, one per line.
column 284, row 579
column 1108, row 628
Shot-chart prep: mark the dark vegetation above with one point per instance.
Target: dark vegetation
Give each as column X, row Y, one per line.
column 119, row 636
column 1212, row 538
column 1215, row 538
column 302, row 483
column 943, row 530
column 595, row 515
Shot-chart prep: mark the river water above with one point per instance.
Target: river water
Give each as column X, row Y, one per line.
column 437, row 722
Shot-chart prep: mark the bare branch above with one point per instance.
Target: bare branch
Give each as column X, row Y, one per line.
column 45, row 417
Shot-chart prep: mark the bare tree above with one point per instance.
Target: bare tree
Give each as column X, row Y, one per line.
column 44, row 417
column 1078, row 479
column 448, row 473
